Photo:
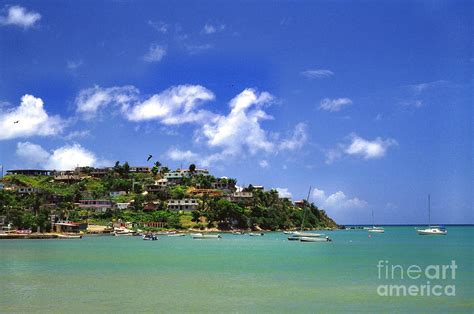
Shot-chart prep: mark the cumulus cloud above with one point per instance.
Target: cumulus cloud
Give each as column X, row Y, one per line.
column 188, row 156
column 369, row 149
column 28, row 119
column 238, row 132
column 32, row 153
column 176, row 105
column 241, row 128
column 91, row 100
column 317, row 73
column 334, row 104
column 284, row 193
column 63, row 158
column 337, row 200
column 155, row 53
column 263, row 163
column 19, row 16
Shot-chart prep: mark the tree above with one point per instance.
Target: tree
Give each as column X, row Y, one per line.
column 192, row 168
column 125, row 169
column 164, row 170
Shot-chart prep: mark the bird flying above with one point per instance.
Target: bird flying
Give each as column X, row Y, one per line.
column 16, row 121
column 149, row 157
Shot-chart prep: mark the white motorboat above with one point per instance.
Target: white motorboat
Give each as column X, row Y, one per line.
column 69, row 236
column 431, row 230
column 315, row 239
column 176, row 235
column 255, row 234
column 307, row 234
column 205, row 236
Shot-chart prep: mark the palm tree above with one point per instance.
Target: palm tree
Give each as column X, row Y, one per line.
column 192, row 168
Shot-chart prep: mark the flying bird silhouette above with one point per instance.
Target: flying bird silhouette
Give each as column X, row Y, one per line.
column 14, row 122
column 149, row 157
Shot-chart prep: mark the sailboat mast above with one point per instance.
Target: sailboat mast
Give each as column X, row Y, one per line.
column 373, row 220
column 429, row 211
column 304, row 213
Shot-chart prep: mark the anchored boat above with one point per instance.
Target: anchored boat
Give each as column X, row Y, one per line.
column 199, row 236
column 432, row 230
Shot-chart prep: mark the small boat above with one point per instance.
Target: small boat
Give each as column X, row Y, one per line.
column 205, row 236
column 176, row 235
column 69, row 236
column 288, row 232
column 293, row 238
column 307, row 234
column 255, row 234
column 432, row 230
column 315, row 239
column 150, row 237
column 237, row 232
column 119, row 234
column 374, row 229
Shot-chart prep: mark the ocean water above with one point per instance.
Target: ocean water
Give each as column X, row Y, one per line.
column 235, row 274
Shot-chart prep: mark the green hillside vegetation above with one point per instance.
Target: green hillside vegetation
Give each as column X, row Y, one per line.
column 265, row 210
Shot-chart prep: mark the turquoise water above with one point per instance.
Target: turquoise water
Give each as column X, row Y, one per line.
column 233, row 274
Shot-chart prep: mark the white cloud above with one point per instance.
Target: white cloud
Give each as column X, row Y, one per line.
column 297, row 140
column 91, row 100
column 369, row 149
column 32, row 120
column 334, row 104
column 176, row 105
column 211, row 29
column 263, row 163
column 317, row 73
column 284, row 193
column 336, row 201
column 241, row 127
column 32, row 153
column 19, row 16
column 358, row 146
column 155, row 53
column 179, row 155
column 64, row 158
column 391, row 206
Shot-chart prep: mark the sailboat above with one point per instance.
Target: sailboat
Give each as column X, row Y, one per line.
column 375, row 229
column 431, row 230
column 307, row 236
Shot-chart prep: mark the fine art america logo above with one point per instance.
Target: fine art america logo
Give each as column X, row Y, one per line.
column 416, row 280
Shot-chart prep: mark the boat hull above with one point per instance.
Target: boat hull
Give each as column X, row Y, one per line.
column 376, row 230
column 432, row 232
column 314, row 239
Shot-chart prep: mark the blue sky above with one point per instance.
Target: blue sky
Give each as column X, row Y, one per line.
column 369, row 103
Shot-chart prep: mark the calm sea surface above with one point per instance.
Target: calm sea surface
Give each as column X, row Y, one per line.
column 234, row 274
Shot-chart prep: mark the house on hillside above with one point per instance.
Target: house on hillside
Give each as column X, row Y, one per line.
column 140, row 169
column 187, row 204
column 186, row 172
column 117, row 193
column 98, row 206
column 245, row 198
column 174, row 177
